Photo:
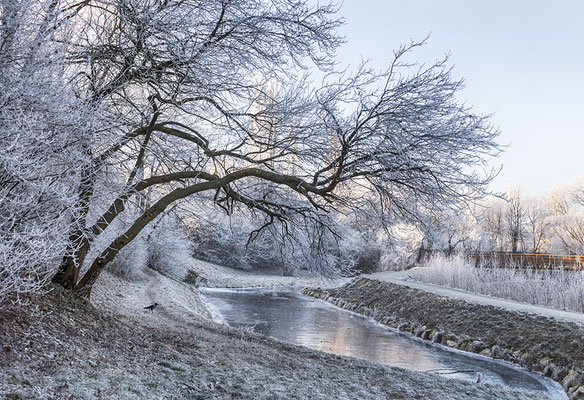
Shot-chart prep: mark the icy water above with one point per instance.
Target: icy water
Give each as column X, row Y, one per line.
column 294, row 318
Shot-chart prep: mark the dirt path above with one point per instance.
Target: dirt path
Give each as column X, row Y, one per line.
column 410, row 278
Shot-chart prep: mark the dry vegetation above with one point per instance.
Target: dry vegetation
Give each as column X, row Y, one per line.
column 551, row 288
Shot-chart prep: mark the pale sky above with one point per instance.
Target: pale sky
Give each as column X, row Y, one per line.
column 521, row 60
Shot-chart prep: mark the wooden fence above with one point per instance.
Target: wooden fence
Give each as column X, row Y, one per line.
column 505, row 259
column 531, row 260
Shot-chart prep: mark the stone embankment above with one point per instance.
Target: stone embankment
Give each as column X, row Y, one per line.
column 554, row 348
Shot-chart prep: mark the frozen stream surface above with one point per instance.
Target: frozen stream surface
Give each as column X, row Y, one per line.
column 289, row 316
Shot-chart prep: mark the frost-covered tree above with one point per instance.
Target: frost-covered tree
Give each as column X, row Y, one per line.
column 537, row 221
column 557, row 201
column 492, row 224
column 179, row 80
column 451, row 230
column 44, row 127
column 567, row 219
column 515, row 218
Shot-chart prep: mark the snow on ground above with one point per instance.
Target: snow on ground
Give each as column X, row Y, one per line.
column 220, row 276
column 62, row 349
column 178, row 301
column 411, row 278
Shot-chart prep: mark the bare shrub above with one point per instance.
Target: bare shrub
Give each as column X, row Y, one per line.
column 551, row 288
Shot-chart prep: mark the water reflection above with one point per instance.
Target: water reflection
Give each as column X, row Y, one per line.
column 298, row 319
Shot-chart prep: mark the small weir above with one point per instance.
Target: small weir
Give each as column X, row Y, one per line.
column 287, row 315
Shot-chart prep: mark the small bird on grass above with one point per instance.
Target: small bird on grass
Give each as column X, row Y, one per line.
column 151, row 307
column 479, row 377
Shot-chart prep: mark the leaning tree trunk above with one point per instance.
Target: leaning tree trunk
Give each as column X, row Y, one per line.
column 84, row 286
column 78, row 244
column 68, row 272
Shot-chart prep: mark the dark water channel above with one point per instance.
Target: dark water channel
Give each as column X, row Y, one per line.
column 292, row 317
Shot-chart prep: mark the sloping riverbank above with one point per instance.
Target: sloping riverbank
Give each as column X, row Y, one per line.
column 60, row 348
column 553, row 347
column 213, row 275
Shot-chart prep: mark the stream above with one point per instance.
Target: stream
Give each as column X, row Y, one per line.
column 292, row 317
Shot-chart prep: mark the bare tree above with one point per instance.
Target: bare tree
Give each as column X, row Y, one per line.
column 451, row 229
column 557, row 201
column 492, row 223
column 178, row 82
column 576, row 192
column 567, row 220
column 537, row 223
column 515, row 218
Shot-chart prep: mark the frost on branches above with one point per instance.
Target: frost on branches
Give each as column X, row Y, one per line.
column 43, row 129
column 212, row 103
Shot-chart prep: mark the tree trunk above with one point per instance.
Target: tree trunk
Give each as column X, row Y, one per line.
column 68, row 273
column 83, row 287
column 421, row 254
column 78, row 246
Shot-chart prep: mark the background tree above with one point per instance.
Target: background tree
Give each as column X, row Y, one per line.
column 515, row 218
column 567, row 221
column 537, row 224
column 452, row 230
column 557, row 201
column 492, row 224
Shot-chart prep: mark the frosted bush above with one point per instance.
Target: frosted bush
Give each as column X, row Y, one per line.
column 169, row 248
column 551, row 288
column 25, row 265
column 131, row 261
column 224, row 239
column 218, row 239
column 43, row 128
